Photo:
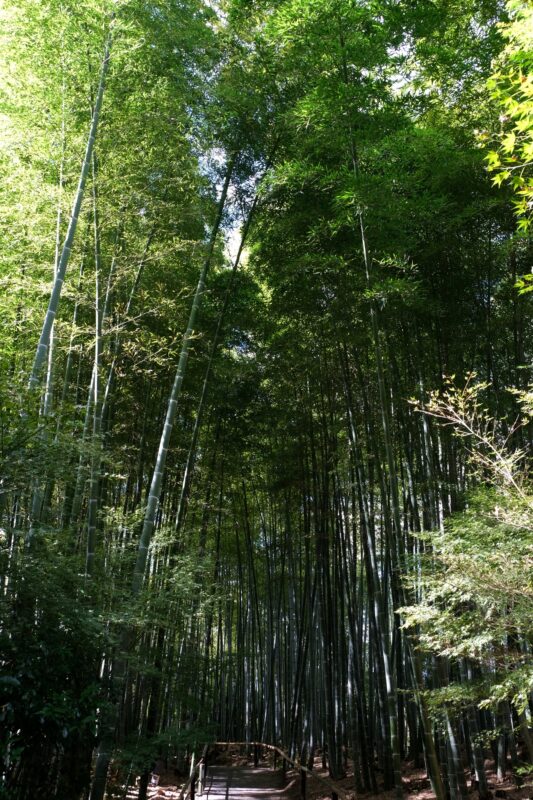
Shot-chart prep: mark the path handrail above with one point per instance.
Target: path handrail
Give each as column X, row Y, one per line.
column 189, row 787
column 334, row 788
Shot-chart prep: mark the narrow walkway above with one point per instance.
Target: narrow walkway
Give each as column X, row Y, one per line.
column 245, row 783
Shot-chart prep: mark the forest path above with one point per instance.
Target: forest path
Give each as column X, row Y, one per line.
column 245, row 783
column 230, row 783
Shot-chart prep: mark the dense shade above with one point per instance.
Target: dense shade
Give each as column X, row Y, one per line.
column 265, row 389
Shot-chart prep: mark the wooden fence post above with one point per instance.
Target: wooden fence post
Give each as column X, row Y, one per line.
column 303, row 783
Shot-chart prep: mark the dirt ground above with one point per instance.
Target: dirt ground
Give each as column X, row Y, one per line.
column 417, row 786
column 415, row 781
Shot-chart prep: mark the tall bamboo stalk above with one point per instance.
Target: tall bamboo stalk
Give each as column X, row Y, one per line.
column 157, row 477
column 59, row 278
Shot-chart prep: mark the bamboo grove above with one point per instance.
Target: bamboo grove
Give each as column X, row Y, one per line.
column 265, row 389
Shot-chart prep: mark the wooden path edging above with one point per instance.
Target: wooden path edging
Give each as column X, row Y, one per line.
column 335, row 790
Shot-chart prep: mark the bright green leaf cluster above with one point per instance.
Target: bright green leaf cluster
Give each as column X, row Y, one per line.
column 477, row 590
column 512, row 88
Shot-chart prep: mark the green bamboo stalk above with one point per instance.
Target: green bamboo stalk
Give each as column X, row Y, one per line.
column 96, row 457
column 191, row 456
column 38, row 499
column 44, row 340
column 118, row 340
column 157, row 477
column 113, row 721
column 48, row 392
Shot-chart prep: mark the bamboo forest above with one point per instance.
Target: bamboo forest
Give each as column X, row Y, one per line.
column 266, row 399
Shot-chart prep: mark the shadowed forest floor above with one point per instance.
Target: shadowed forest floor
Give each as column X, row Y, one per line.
column 239, row 780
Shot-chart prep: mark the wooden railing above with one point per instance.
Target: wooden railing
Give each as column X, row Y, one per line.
column 196, row 778
column 335, row 790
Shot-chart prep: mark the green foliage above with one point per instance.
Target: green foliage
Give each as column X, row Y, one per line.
column 364, row 113
column 477, row 588
column 515, row 686
column 455, row 697
column 512, row 88
column 49, row 686
column 524, row 284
